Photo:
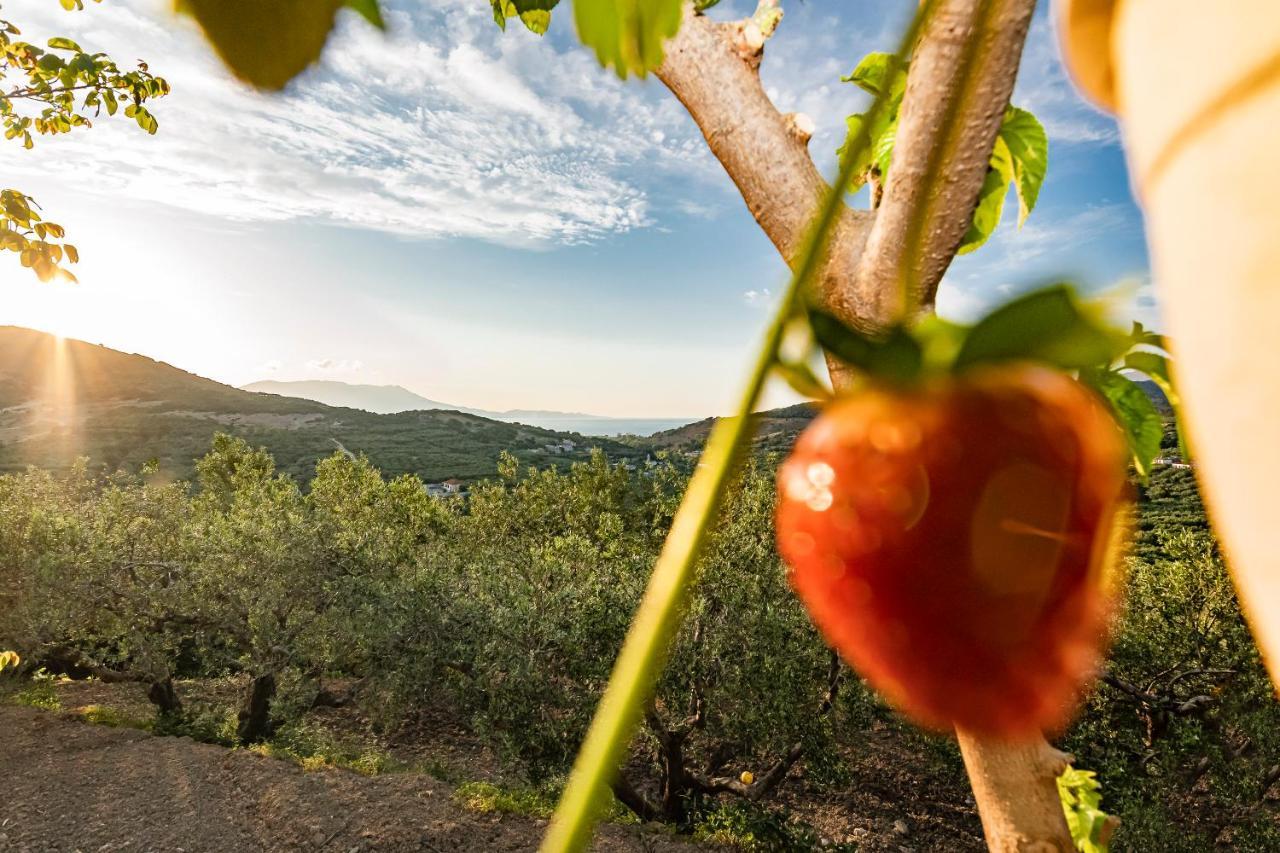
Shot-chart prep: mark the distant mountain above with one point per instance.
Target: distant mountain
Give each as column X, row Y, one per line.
column 379, row 399
column 776, row 429
column 61, row 399
column 390, row 399
column 1157, row 397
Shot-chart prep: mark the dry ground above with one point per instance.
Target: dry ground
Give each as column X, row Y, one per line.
column 67, row 786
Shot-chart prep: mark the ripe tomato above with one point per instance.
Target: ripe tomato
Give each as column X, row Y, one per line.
column 955, row 542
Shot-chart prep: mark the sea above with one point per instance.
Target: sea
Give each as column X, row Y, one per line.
column 604, row 426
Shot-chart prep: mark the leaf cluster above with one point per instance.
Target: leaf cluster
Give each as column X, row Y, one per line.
column 1050, row 326
column 1020, row 157
column 53, row 91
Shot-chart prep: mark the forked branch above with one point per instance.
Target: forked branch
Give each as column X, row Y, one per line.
column 962, row 75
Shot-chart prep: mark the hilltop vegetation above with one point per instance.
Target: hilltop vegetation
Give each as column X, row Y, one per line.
column 60, row 400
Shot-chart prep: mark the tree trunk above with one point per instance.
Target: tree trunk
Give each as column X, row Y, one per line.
column 255, row 713
column 962, row 74
column 165, row 696
column 1007, row 780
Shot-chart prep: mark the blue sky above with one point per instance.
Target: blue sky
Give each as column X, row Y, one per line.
column 486, row 218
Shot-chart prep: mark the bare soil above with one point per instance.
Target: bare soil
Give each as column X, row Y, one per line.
column 66, row 785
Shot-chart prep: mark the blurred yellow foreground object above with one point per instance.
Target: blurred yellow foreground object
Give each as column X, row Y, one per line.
column 1197, row 89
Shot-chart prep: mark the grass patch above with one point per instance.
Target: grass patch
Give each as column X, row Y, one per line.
column 749, row 827
column 486, row 797
column 101, row 715
column 315, row 748
column 525, row 800
column 203, row 724
column 40, row 694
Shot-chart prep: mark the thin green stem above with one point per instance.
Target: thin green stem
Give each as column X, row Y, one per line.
column 645, row 647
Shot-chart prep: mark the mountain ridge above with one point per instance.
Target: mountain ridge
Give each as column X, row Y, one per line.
column 63, row 398
column 392, row 399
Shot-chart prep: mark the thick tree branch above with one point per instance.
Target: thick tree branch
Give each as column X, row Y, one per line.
column 712, row 68
column 1008, row 782
column 961, row 76
column 634, row 800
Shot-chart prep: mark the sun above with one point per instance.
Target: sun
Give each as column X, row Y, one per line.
column 57, row 307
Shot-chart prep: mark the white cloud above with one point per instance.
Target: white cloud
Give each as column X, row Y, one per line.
column 1011, row 249
column 1045, row 89
column 755, row 297
column 340, row 365
column 444, row 127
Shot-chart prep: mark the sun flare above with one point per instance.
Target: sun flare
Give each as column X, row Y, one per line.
column 56, row 307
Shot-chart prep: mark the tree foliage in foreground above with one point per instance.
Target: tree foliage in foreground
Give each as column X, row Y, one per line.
column 510, row 609
column 51, row 90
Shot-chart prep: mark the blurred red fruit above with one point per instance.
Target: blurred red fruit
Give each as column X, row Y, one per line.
column 955, row 542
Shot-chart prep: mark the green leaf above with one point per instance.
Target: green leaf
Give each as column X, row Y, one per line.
column 802, row 380
column 64, row 44
column 986, row 216
column 873, row 75
column 1141, row 336
column 265, row 42
column 882, row 146
column 1081, row 796
column 369, row 10
column 1156, row 367
column 1134, row 411
column 896, row 357
column 1047, row 325
column 627, row 35
column 1028, row 146
column 535, row 14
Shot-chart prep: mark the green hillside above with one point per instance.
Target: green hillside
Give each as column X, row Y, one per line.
column 63, row 399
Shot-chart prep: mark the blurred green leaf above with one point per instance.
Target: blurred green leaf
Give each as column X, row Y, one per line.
column 897, row 356
column 1133, row 410
column 266, row 42
column 1156, row 367
column 1046, row 325
column 1141, row 336
column 627, row 35
column 369, row 10
column 803, row 380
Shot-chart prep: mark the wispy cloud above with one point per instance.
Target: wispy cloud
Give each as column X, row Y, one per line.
column 339, row 365
column 1045, row 88
column 444, row 127
column 1042, row 237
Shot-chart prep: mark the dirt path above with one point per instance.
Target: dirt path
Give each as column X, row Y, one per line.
column 67, row 786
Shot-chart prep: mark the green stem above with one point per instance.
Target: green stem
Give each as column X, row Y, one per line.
column 645, row 647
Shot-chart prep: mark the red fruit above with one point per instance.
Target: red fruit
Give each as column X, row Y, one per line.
column 954, row 542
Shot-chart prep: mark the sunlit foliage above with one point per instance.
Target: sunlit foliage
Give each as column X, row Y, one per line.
column 51, row 90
